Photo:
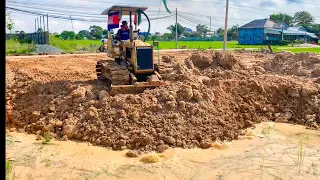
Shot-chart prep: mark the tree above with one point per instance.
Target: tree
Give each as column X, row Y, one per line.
column 202, row 29
column 167, row 36
column 96, row 31
column 195, row 34
column 154, row 38
column 9, row 22
column 65, row 35
column 314, row 28
column 172, row 29
column 303, row 18
column 105, row 32
column 282, row 18
column 79, row 36
column 84, row 33
column 220, row 32
column 233, row 32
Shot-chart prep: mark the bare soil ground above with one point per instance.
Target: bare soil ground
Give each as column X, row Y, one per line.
column 269, row 151
column 213, row 97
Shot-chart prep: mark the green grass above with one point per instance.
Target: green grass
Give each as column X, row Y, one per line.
column 15, row 47
column 68, row 46
column 73, row 45
column 203, row 44
column 47, row 138
column 300, row 50
column 8, row 168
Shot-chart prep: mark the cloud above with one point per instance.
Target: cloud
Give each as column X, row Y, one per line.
column 198, row 10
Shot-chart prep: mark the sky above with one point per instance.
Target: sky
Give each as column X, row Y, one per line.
column 190, row 12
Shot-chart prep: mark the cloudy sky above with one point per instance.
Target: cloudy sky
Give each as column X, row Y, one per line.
column 190, row 12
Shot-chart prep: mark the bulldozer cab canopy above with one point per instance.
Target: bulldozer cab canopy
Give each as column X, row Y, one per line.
column 125, row 9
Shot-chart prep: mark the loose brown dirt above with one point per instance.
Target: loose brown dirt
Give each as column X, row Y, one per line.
column 213, row 96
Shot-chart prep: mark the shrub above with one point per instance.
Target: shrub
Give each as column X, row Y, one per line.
column 14, row 37
column 26, row 41
column 284, row 42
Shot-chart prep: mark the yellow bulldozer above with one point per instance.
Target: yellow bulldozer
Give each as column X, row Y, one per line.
column 133, row 65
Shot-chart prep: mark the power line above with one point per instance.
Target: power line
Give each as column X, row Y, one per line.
column 65, row 15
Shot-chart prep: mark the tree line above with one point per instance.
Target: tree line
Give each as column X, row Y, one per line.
column 301, row 18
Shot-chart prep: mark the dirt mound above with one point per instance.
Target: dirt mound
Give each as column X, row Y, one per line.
column 302, row 64
column 211, row 99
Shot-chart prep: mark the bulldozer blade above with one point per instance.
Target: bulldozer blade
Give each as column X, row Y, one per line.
column 136, row 88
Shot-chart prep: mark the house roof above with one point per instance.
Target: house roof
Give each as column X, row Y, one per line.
column 261, row 23
column 299, row 28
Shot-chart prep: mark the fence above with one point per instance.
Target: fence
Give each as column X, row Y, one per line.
column 37, row 38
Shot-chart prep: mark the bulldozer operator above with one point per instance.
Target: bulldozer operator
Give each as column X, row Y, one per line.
column 124, row 32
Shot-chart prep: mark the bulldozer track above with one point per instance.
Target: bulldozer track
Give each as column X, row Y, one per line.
column 113, row 72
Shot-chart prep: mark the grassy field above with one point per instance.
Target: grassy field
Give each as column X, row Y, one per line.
column 204, row 45
column 15, row 47
column 299, row 50
column 73, row 45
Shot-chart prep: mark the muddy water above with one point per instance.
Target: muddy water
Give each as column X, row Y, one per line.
column 272, row 154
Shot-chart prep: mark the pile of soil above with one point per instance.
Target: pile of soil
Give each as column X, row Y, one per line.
column 302, row 64
column 212, row 96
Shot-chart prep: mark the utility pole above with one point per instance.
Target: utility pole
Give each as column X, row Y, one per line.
column 47, row 22
column 210, row 29
column 176, row 28
column 35, row 25
column 44, row 26
column 71, row 23
column 226, row 27
column 210, row 24
column 40, row 23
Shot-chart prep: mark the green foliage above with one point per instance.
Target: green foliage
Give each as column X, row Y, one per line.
column 220, row 32
column 26, row 41
column 202, row 29
column 96, row 31
column 14, row 37
column 296, row 42
column 284, row 43
column 233, row 32
column 154, row 38
column 47, row 138
column 67, row 35
column 314, row 28
column 303, row 18
column 84, row 33
column 301, row 156
column 168, row 36
column 72, row 45
column 9, row 21
column 15, row 47
column 172, row 29
column 8, row 168
column 79, row 36
column 105, row 32
column 282, row 18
